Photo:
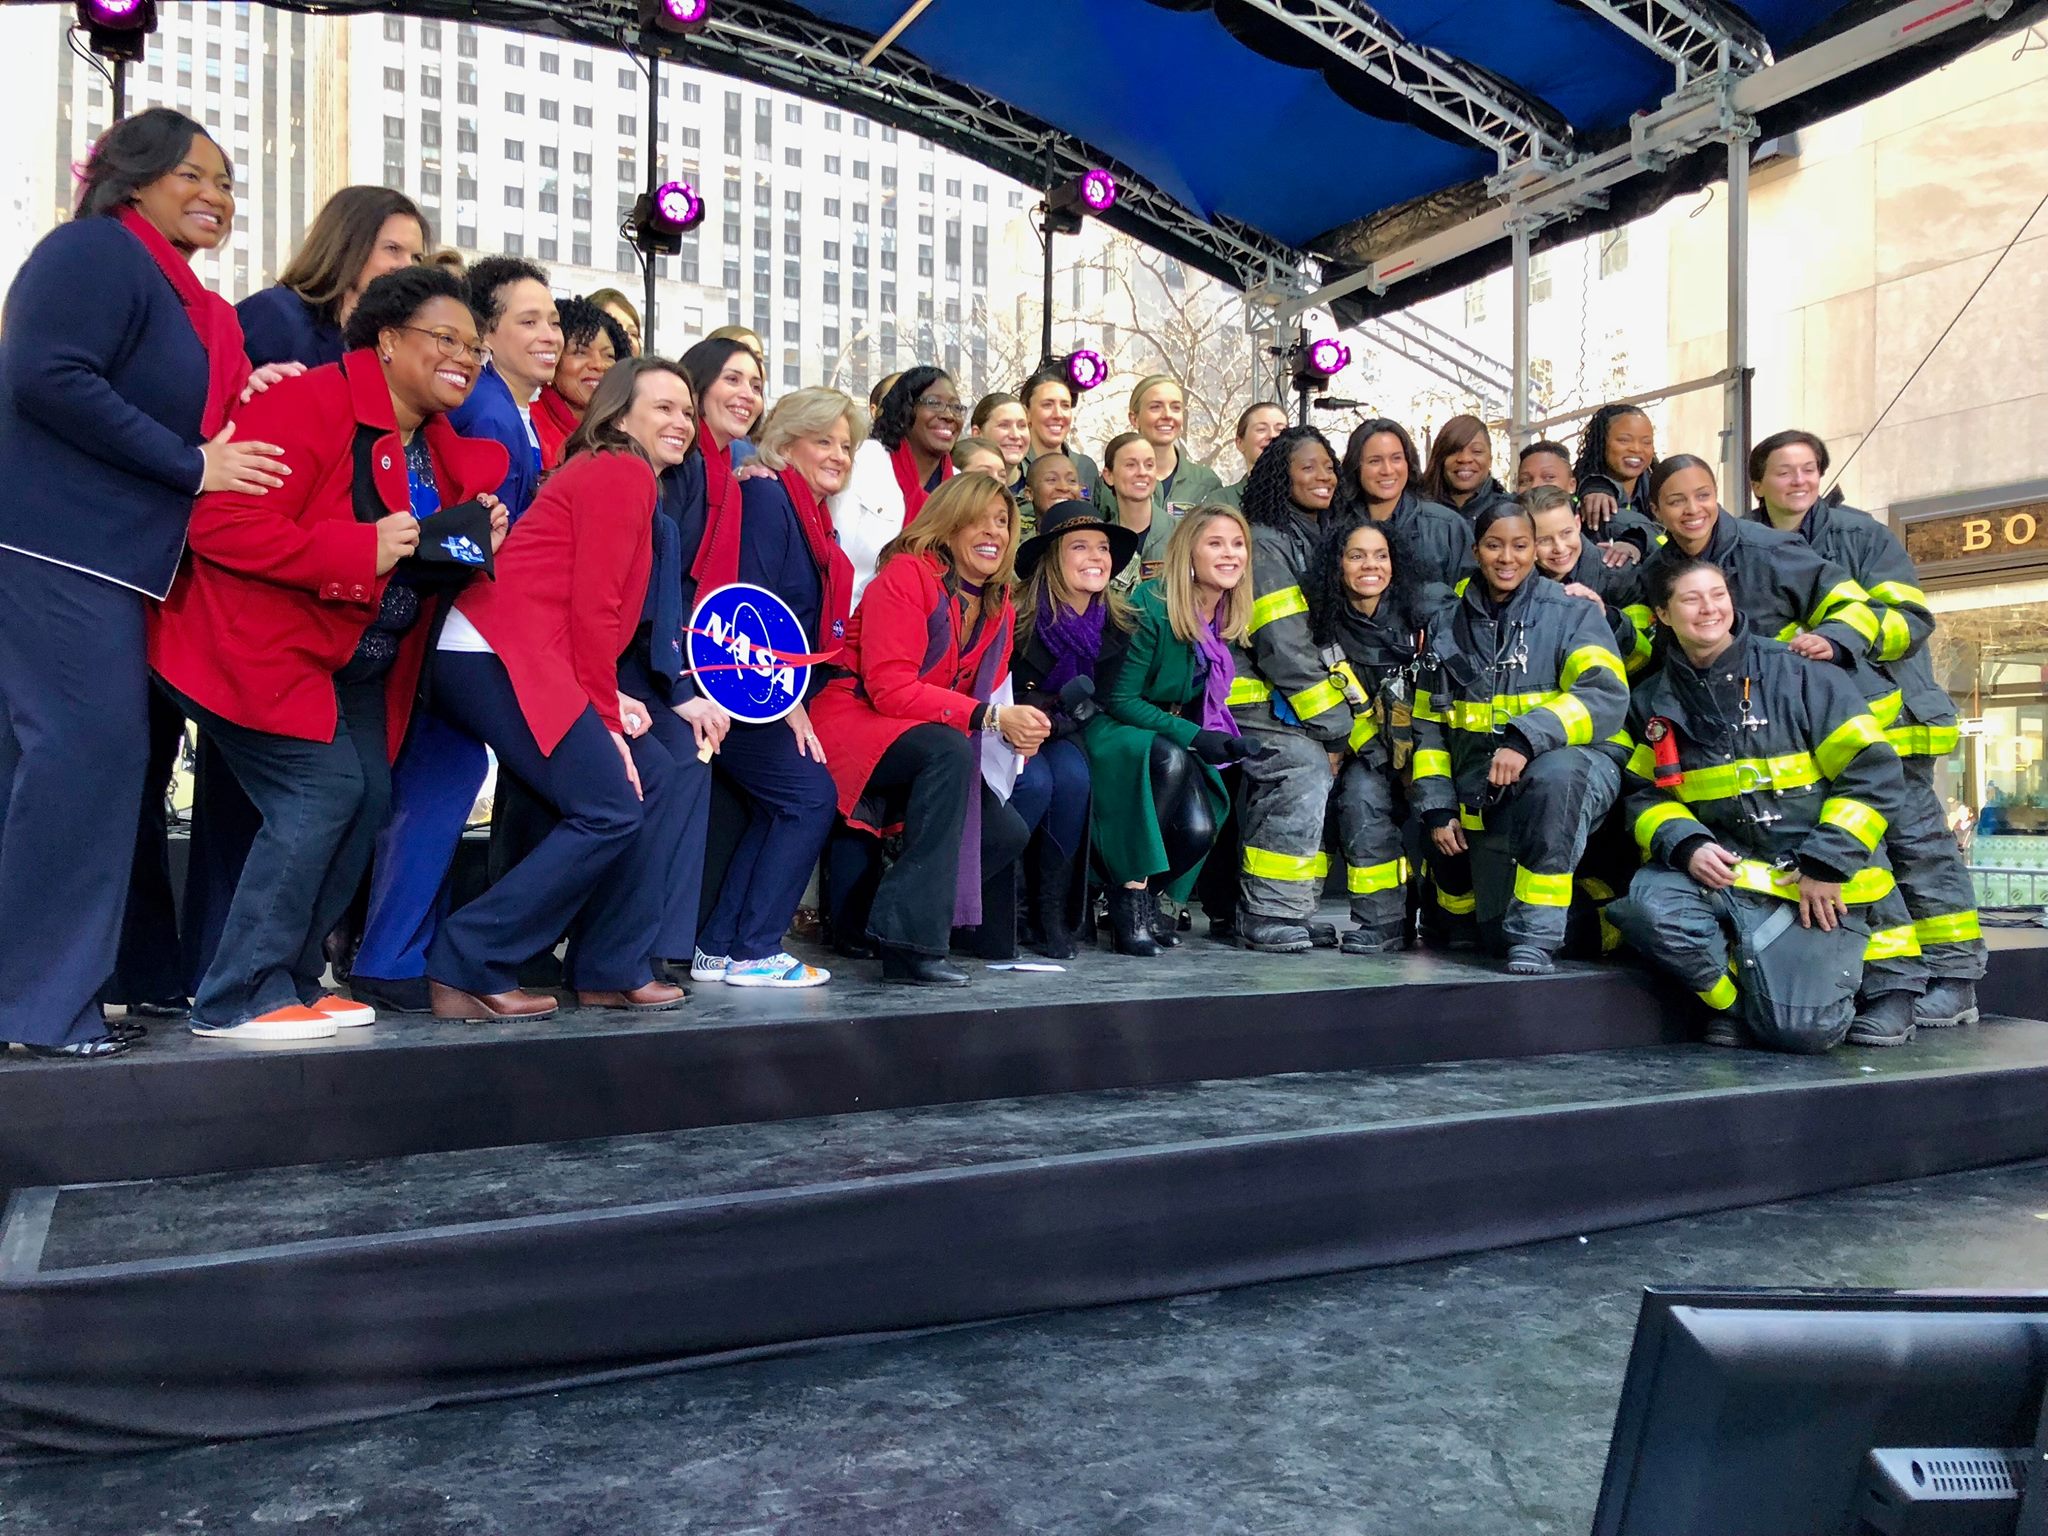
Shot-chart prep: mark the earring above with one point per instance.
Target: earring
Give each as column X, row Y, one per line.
column 384, row 357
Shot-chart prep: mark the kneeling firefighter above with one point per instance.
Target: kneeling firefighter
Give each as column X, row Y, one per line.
column 1518, row 739
column 1759, row 791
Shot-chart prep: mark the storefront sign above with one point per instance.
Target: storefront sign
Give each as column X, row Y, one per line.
column 1959, row 543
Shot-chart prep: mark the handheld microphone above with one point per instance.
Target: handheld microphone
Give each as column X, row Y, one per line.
column 1077, row 700
column 1332, row 403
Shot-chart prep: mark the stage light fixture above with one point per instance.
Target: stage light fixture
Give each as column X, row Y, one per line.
column 1091, row 192
column 1085, row 370
column 1328, row 356
column 674, row 15
column 117, row 29
column 661, row 218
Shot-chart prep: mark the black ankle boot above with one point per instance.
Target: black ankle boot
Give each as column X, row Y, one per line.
column 1055, row 882
column 1131, row 913
column 908, row 968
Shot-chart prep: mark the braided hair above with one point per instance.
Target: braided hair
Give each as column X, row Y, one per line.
column 1592, row 459
column 1268, row 500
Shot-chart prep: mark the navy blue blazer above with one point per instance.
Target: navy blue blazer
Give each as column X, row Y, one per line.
column 491, row 412
column 102, row 386
column 775, row 554
column 280, row 327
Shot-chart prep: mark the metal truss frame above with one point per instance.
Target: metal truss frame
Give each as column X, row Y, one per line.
column 1695, row 36
column 1516, row 127
column 771, row 46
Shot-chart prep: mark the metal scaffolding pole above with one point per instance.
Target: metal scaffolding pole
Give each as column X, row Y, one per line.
column 652, row 262
column 1518, row 406
column 1735, row 429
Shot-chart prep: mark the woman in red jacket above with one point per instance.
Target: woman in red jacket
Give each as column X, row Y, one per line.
column 902, row 725
column 294, row 635
column 529, row 665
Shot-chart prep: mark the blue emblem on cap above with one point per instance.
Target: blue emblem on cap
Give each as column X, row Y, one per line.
column 734, row 645
column 463, row 549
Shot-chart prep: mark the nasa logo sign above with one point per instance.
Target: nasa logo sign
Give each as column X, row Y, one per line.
column 737, row 645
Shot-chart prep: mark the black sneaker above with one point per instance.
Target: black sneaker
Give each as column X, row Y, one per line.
column 1886, row 1019
column 1947, row 1004
column 387, row 994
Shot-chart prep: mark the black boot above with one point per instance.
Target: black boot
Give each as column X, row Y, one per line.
column 1055, row 872
column 1130, row 913
column 909, row 968
column 1165, row 922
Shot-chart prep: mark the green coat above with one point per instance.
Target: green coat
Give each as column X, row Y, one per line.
column 1161, row 674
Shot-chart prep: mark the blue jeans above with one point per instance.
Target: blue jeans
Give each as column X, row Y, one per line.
column 322, row 804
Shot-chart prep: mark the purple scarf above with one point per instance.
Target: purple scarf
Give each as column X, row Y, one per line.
column 967, row 884
column 1216, row 714
column 1074, row 639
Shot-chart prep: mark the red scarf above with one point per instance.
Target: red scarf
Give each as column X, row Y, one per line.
column 914, row 493
column 553, row 421
column 213, row 317
column 718, row 553
column 835, row 571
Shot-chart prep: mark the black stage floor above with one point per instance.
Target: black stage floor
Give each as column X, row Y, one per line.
column 1463, row 1397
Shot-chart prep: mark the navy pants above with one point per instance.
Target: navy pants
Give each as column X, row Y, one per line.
column 598, row 875
column 789, row 801
column 74, row 742
column 433, row 789
column 321, row 805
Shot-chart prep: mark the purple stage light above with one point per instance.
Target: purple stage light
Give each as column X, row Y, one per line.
column 1098, row 191
column 1328, row 356
column 685, row 13
column 113, row 13
column 1086, row 369
column 677, row 205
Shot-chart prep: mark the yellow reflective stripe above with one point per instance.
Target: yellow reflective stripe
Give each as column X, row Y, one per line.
column 1885, row 708
column 1898, row 593
column 1894, row 636
column 1278, row 605
column 1471, row 820
column 1248, row 690
column 1842, row 744
column 1424, row 708
column 1748, row 775
column 1317, row 700
column 1363, row 729
column 1655, row 817
column 1923, row 740
column 1866, row 885
column 1596, row 888
column 1721, row 996
column 1791, row 631
column 1863, row 822
column 1891, row 944
column 1949, row 928
column 1267, row 865
column 1855, row 613
column 1543, row 890
column 1480, row 716
column 1639, row 614
column 1368, row 879
column 1458, row 906
column 1644, row 649
column 1431, row 764
column 1576, row 719
column 1585, row 659
column 1642, row 762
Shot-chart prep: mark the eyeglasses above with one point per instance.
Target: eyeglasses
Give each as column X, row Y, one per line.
column 938, row 405
column 452, row 347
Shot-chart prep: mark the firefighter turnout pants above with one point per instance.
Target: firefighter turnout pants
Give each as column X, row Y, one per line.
column 1375, row 869
column 1934, row 880
column 1526, row 850
column 1286, row 797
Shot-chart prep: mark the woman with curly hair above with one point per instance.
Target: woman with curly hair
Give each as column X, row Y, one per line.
column 1367, row 611
column 1381, row 468
column 1287, row 700
column 1617, row 455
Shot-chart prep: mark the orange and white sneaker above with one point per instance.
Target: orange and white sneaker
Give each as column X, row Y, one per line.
column 345, row 1012
column 293, row 1023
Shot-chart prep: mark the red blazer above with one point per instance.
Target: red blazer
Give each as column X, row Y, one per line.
column 572, row 580
column 278, row 589
column 904, row 651
column 553, row 421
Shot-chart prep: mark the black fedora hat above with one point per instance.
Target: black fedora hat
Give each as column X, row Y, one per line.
column 1076, row 517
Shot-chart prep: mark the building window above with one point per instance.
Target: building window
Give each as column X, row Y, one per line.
column 394, row 80
column 551, row 64
column 430, row 183
column 430, row 34
column 689, row 138
column 980, row 193
column 792, row 241
column 465, row 42
column 792, row 113
column 581, row 116
column 547, row 250
column 792, row 280
column 860, row 170
column 430, row 84
column 793, row 157
column 515, row 245
column 550, row 156
column 465, row 188
column 1614, row 253
column 628, row 124
column 924, row 261
column 1475, row 303
column 831, row 207
column 831, row 122
column 548, row 200
column 515, row 149
column 579, row 205
column 430, row 130
column 628, row 79
column 924, row 181
column 515, row 197
column 832, row 288
column 831, row 165
column 579, row 250
column 579, row 69
column 394, row 29
column 889, row 178
column 831, row 251
column 888, row 134
column 550, row 112
column 514, row 54
column 1539, row 277
column 514, row 102
column 692, row 91
column 952, row 187
column 465, row 139
column 579, row 162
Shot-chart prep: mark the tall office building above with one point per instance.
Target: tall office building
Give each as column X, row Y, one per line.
column 252, row 74
column 851, row 248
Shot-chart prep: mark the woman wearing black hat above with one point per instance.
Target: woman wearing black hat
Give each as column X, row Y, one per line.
column 1070, row 627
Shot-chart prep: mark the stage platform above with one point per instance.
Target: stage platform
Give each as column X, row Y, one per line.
column 1471, row 1396
column 1026, row 1145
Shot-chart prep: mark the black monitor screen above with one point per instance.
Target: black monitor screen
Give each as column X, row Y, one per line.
column 1753, row 1413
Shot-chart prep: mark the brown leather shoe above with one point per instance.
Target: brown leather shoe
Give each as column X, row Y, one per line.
column 653, row 997
column 468, row 1008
